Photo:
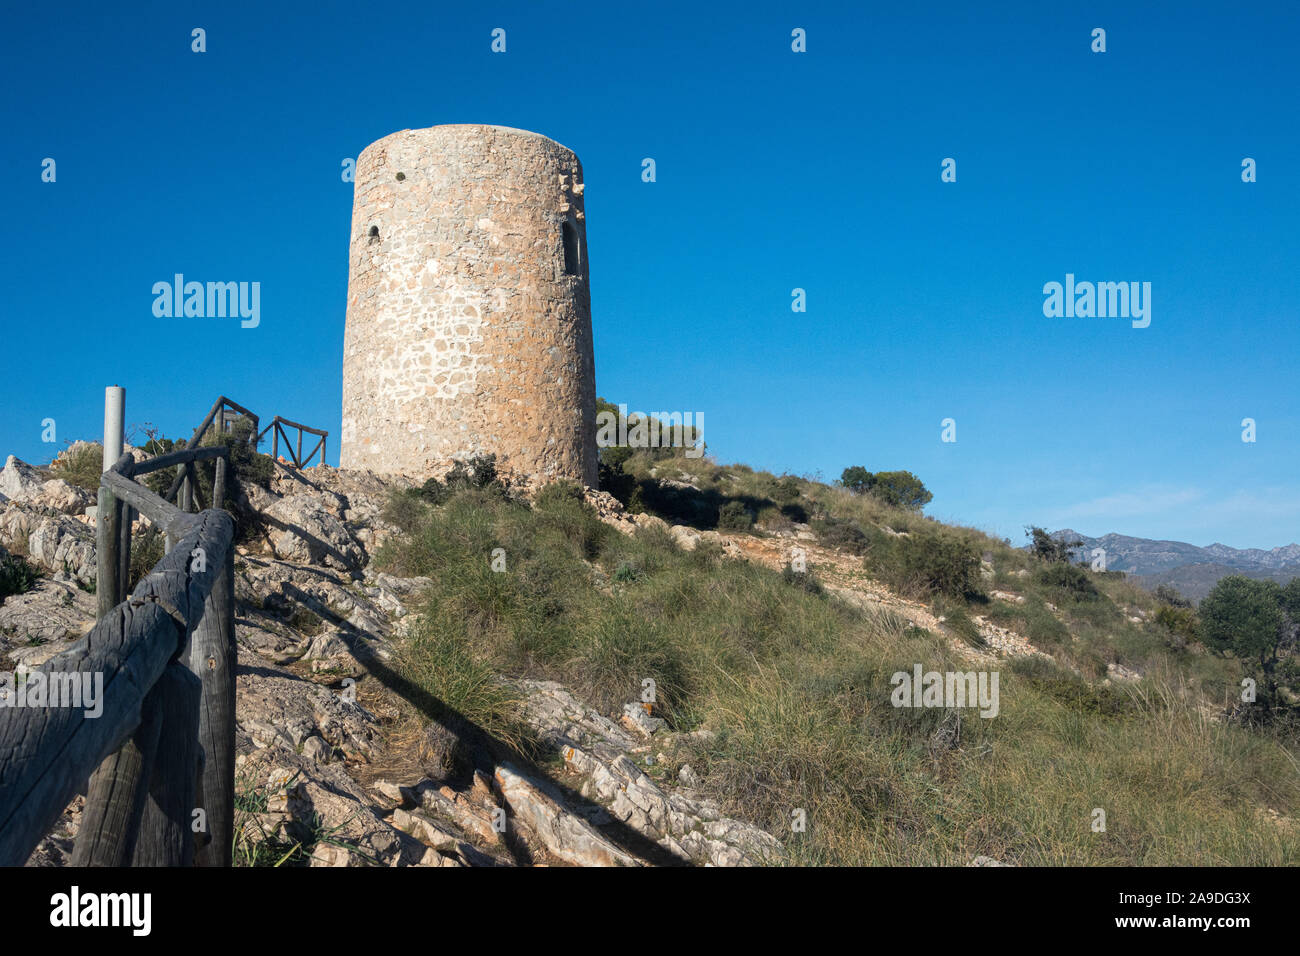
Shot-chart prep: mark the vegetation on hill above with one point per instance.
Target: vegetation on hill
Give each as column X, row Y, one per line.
column 1257, row 622
column 17, row 576
column 901, row 489
column 792, row 682
column 80, row 465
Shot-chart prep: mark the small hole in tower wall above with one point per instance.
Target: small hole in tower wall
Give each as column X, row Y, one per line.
column 401, row 176
column 570, row 236
column 374, row 232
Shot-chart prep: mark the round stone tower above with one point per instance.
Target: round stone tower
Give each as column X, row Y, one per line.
column 469, row 314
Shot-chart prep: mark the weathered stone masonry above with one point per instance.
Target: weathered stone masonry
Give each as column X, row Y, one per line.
column 469, row 313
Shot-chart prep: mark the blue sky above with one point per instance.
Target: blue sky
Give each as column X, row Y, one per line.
column 775, row 170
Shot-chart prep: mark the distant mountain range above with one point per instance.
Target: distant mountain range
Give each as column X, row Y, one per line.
column 1192, row 570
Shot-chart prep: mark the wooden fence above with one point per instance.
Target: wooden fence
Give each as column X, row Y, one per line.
column 276, row 428
column 160, row 758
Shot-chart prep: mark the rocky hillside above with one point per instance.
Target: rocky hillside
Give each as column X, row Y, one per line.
column 326, row 777
column 400, row 703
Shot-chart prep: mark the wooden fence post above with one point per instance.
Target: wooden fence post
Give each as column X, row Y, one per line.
column 165, row 833
column 195, row 488
column 212, row 658
column 126, row 517
column 115, row 797
column 108, row 542
column 219, row 484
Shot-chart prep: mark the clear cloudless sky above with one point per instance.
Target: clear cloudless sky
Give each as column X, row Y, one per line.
column 776, row 170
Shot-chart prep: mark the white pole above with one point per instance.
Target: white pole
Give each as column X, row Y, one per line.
column 108, row 523
column 114, row 424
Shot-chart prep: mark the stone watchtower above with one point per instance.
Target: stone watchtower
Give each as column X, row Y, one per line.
column 469, row 313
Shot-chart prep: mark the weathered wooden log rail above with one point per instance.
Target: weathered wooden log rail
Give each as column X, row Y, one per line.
column 160, row 757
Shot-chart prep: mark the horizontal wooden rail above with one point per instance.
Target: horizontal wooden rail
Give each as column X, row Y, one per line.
column 184, row 456
column 276, row 428
column 303, row 428
column 48, row 753
column 161, row 513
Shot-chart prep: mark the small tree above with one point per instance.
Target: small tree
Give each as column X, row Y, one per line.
column 1247, row 619
column 902, row 489
column 1170, row 595
column 1243, row 617
column 1050, row 547
column 857, row 479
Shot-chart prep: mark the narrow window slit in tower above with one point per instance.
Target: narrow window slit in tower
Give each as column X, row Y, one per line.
column 374, row 233
column 570, row 249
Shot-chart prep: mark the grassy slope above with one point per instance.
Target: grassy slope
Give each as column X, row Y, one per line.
column 795, row 684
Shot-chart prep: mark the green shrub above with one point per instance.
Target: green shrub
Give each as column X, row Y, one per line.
column 1168, row 594
column 247, row 464
column 405, row 508
column 803, row 580
column 147, row 549
column 462, row 690
column 786, row 488
column 1069, row 580
column 734, row 516
column 1179, row 620
column 559, row 494
column 839, row 533
column 434, row 491
column 771, row 518
column 1033, row 619
column 480, row 471
column 958, row 620
column 16, row 576
column 926, row 562
column 615, row 456
column 562, row 507
column 1078, row 695
column 81, row 466
column 158, row 481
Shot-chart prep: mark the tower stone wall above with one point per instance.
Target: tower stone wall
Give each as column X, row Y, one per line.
column 469, row 313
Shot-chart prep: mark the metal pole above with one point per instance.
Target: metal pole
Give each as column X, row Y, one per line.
column 108, row 516
column 114, row 424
